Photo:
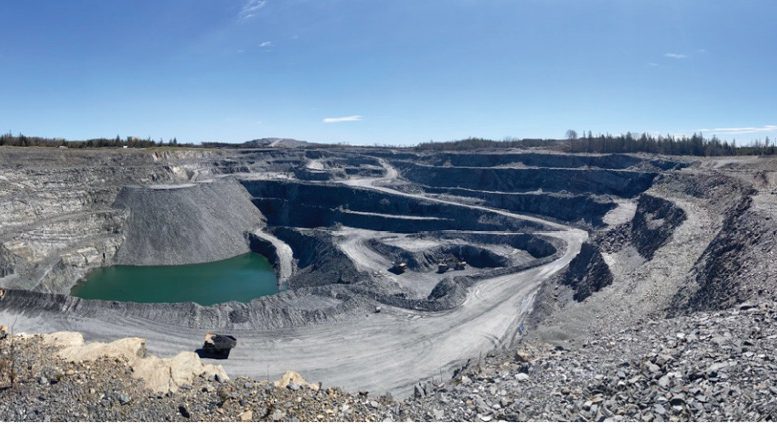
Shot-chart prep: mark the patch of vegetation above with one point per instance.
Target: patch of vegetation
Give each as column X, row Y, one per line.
column 22, row 140
column 694, row 145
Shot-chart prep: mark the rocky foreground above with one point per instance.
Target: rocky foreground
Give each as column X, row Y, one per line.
column 706, row 366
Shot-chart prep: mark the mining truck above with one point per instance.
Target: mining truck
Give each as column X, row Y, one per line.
column 398, row 267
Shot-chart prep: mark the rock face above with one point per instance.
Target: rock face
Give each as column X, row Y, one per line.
column 621, row 183
column 654, row 222
column 57, row 219
column 192, row 223
column 587, row 273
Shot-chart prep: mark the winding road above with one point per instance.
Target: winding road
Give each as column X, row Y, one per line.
column 386, row 352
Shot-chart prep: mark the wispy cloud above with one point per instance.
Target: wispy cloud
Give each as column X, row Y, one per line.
column 675, row 55
column 250, row 9
column 741, row 130
column 338, row 119
column 265, row 44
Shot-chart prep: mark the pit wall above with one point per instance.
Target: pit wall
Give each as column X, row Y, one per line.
column 452, row 292
column 57, row 211
column 428, row 259
column 563, row 207
column 58, row 252
column 320, row 263
column 532, row 159
column 270, row 312
column 737, row 266
column 308, row 205
column 587, row 273
column 474, row 249
column 619, row 183
column 653, row 224
column 318, row 260
column 542, row 160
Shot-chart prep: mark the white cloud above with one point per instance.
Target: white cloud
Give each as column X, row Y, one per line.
column 251, row 8
column 653, row 64
column 265, row 44
column 337, row 119
column 741, row 130
column 675, row 55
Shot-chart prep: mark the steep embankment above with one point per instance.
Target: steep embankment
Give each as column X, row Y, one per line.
column 739, row 264
column 57, row 219
column 632, row 271
column 600, row 181
column 302, row 204
column 190, row 223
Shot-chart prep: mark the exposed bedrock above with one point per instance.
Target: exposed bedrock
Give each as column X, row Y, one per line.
column 547, row 160
column 182, row 224
column 447, row 294
column 57, row 219
column 533, row 159
column 318, row 260
column 286, row 309
column 427, row 260
column 587, row 273
column 480, row 250
column 739, row 264
column 57, row 251
column 653, row 224
column 574, row 208
column 600, row 181
column 310, row 205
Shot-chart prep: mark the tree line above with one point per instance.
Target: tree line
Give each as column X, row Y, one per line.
column 22, row 140
column 474, row 143
column 694, row 145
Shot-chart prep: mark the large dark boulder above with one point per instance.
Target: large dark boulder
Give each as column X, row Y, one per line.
column 217, row 346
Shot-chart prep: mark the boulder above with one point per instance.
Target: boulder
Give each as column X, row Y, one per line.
column 166, row 375
column 294, row 378
column 128, row 349
column 217, row 346
column 63, row 339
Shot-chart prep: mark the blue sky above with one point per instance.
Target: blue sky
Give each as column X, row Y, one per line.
column 393, row 72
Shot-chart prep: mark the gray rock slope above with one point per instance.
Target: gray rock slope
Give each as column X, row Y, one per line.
column 186, row 224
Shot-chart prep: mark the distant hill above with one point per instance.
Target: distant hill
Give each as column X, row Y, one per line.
column 261, row 142
column 275, row 142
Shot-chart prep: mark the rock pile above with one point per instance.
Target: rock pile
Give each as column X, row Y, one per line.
column 48, row 386
column 712, row 366
column 708, row 366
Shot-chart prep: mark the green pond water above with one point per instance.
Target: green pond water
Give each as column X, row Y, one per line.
column 241, row 278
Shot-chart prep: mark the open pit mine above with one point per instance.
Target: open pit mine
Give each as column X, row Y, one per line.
column 513, row 284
